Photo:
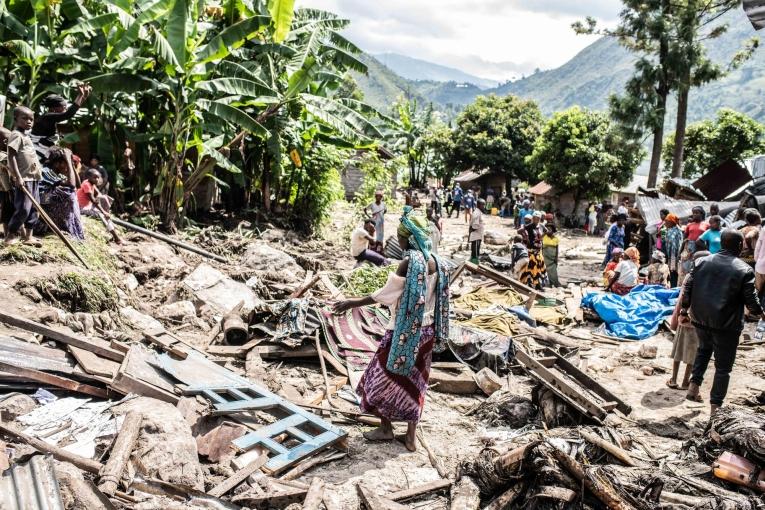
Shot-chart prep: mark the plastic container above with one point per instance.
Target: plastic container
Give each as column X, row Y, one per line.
column 738, row 470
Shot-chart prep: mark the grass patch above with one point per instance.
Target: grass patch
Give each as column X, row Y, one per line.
column 77, row 292
column 363, row 280
column 94, row 250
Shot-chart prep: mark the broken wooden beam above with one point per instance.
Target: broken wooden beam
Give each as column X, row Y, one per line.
column 169, row 240
column 465, row 495
column 238, row 477
column 120, row 454
column 308, row 284
column 375, row 502
column 615, row 451
column 420, row 490
column 315, row 493
column 30, row 374
column 505, row 280
column 307, row 464
column 334, row 292
column 93, row 345
column 89, row 465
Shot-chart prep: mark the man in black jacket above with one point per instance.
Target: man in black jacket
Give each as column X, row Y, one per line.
column 715, row 294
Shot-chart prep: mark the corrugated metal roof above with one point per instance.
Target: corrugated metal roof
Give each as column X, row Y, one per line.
column 467, row 176
column 650, row 207
column 31, row 486
column 720, row 182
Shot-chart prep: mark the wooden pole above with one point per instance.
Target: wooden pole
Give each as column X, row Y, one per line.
column 434, row 460
column 52, row 225
column 315, row 493
column 327, row 391
column 91, row 466
column 609, row 447
column 169, row 240
column 123, row 446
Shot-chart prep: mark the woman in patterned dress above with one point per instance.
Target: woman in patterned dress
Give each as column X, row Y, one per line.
column 58, row 195
column 394, row 384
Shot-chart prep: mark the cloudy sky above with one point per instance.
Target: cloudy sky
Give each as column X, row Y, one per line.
column 496, row 39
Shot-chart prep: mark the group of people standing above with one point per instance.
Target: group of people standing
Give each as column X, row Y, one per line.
column 35, row 169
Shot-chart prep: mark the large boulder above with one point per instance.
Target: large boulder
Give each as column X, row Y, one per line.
column 260, row 256
column 165, row 449
column 216, row 290
column 178, row 310
column 496, row 238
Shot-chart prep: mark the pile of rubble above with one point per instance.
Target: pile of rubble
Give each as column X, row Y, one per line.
column 172, row 397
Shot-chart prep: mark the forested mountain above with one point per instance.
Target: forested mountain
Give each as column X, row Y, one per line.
column 589, row 78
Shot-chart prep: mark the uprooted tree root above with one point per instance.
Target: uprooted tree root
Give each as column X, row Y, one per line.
column 76, row 292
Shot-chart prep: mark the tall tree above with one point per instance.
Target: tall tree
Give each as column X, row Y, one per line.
column 731, row 136
column 581, row 151
column 497, row 133
column 697, row 21
column 645, row 28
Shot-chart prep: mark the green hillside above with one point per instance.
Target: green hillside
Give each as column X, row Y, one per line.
column 589, row 78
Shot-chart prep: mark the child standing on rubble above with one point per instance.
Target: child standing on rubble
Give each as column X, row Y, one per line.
column 25, row 171
column 394, row 384
column 6, row 188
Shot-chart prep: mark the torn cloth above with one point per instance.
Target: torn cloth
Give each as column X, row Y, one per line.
column 636, row 315
column 484, row 297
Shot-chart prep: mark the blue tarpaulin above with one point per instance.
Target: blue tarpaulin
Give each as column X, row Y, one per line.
column 637, row 315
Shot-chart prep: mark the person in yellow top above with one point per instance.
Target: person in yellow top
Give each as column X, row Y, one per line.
column 550, row 243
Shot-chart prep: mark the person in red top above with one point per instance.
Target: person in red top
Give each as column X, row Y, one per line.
column 94, row 203
column 696, row 226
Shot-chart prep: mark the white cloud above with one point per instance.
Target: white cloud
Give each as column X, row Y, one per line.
column 497, row 39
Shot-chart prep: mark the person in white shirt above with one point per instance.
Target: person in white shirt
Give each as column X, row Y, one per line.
column 360, row 239
column 475, row 235
column 376, row 211
column 626, row 275
column 624, row 208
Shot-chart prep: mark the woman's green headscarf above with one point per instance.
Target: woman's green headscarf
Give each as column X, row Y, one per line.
column 417, row 230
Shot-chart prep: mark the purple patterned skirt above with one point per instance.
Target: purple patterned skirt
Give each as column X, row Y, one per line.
column 392, row 396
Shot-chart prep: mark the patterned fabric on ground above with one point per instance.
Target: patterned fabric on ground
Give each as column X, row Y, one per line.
column 288, row 322
column 393, row 396
column 685, row 345
column 485, row 297
column 620, row 290
column 346, row 336
column 535, row 274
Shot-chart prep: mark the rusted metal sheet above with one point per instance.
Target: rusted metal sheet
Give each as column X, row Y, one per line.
column 28, row 355
column 650, row 207
column 31, row 486
column 719, row 183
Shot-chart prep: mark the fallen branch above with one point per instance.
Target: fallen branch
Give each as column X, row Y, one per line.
column 123, row 446
column 413, row 492
column 169, row 240
column 435, row 461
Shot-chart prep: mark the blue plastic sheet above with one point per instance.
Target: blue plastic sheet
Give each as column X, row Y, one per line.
column 637, row 315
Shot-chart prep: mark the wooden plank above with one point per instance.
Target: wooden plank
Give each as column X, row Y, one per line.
column 375, row 502
column 459, row 383
column 308, row 284
column 337, row 365
column 255, row 438
column 238, row 477
column 165, row 341
column 30, row 374
column 244, row 405
column 277, row 351
column 561, row 387
column 413, row 492
column 120, row 454
column 315, row 493
column 94, row 364
column 302, row 451
column 504, row 280
column 456, row 273
column 334, row 292
column 96, row 346
column 234, row 351
column 547, row 362
column 589, row 383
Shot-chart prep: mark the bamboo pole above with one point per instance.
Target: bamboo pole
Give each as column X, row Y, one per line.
column 169, row 240
column 123, row 446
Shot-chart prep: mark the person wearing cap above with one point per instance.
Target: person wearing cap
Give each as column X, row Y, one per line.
column 376, row 212
column 658, row 271
column 44, row 132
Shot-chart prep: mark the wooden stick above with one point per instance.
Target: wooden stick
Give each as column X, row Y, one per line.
column 60, row 336
column 169, row 240
column 89, row 465
column 307, row 464
column 413, row 492
column 308, row 284
column 327, row 391
column 315, row 494
column 54, row 380
column 605, row 494
column 52, row 225
column 434, row 460
column 609, row 447
column 238, row 477
column 375, row 502
column 123, row 446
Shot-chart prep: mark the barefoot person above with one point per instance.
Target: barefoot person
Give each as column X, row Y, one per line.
column 394, row 384
column 714, row 297
column 25, row 171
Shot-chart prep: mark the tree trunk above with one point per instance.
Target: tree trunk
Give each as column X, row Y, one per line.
column 682, row 121
column 265, row 182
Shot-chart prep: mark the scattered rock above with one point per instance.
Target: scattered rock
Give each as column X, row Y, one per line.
column 647, row 351
column 15, row 405
column 263, row 257
column 76, row 492
column 647, row 370
column 165, row 448
column 138, row 320
column 130, row 282
column 496, row 238
column 178, row 310
column 213, row 288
